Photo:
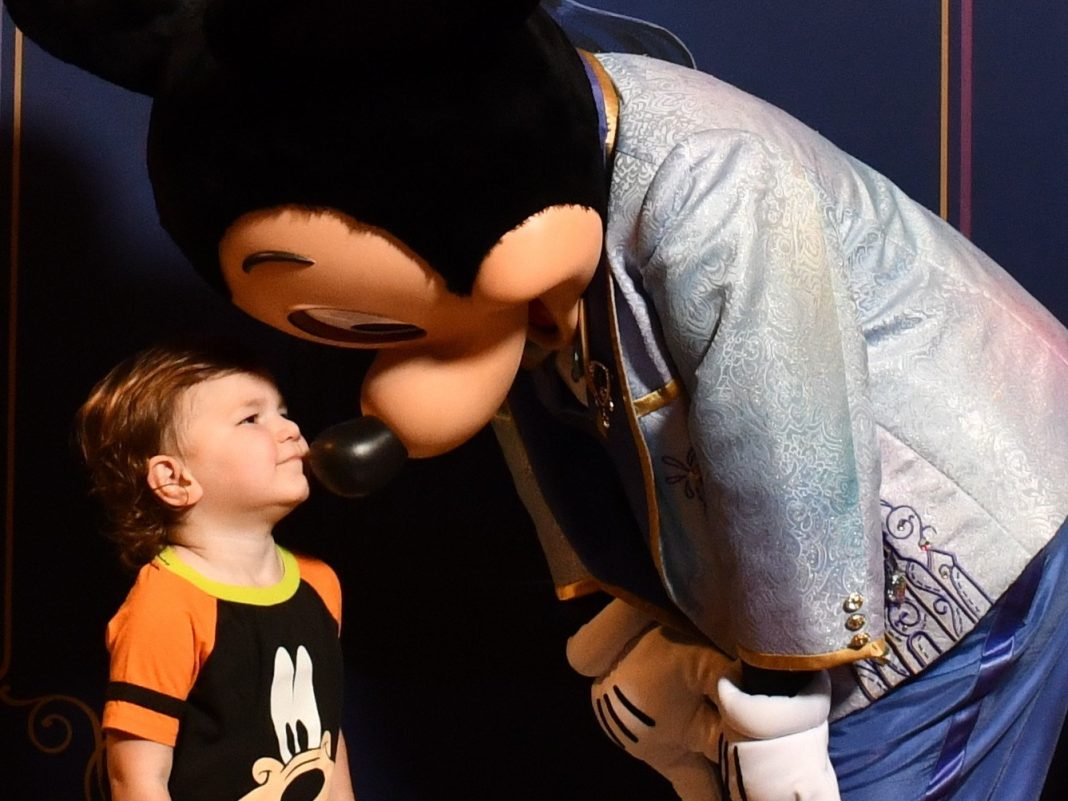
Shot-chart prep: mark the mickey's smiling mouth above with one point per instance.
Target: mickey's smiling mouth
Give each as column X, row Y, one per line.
column 353, row 327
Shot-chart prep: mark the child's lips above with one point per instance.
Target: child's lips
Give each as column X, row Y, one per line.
column 296, row 457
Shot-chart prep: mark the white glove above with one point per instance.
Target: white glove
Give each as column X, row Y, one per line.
column 774, row 748
column 652, row 694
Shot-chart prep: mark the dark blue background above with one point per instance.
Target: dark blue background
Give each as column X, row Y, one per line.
column 454, row 642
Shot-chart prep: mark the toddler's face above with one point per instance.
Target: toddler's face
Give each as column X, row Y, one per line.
column 239, row 445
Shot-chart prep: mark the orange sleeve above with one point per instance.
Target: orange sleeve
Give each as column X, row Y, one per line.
column 324, row 581
column 158, row 640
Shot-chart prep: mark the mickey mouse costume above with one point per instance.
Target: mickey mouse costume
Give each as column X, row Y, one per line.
column 791, row 429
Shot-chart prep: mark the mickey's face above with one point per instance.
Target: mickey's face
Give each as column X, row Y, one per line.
column 446, row 360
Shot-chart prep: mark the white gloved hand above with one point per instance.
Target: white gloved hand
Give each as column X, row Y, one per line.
column 652, row 694
column 774, row 748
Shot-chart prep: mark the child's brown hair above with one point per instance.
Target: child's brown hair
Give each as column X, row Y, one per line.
column 130, row 416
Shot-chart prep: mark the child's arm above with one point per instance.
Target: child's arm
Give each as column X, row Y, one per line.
column 139, row 769
column 341, row 784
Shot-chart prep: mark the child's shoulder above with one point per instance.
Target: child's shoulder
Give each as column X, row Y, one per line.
column 159, row 598
column 158, row 581
column 322, row 579
column 312, row 568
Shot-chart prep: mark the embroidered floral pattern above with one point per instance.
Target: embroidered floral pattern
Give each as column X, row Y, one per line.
column 687, row 473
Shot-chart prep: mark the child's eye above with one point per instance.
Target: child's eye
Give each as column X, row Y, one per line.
column 252, row 418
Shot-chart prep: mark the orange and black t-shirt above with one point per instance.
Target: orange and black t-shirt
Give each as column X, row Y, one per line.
column 244, row 682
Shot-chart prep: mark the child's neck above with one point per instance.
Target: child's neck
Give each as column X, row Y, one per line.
column 237, row 559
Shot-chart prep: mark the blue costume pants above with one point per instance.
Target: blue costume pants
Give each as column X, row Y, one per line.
column 982, row 723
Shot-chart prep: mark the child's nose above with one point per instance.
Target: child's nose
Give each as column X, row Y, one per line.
column 288, row 430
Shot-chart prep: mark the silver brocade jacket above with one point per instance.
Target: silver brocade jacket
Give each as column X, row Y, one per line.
column 839, row 430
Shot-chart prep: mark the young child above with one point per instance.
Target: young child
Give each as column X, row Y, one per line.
column 226, row 673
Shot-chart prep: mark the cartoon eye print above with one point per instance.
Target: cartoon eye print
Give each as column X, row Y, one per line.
column 293, row 708
column 305, row 749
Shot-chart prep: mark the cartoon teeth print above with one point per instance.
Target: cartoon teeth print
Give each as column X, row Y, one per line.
column 303, row 774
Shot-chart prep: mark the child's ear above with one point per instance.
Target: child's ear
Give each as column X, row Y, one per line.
column 172, row 483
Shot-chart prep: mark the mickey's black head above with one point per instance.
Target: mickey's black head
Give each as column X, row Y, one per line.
column 445, row 129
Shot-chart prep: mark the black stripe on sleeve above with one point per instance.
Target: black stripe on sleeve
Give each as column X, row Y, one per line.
column 142, row 696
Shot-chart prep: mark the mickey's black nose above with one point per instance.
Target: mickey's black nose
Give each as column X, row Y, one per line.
column 357, row 457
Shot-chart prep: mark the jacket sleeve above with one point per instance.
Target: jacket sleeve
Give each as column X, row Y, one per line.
column 741, row 255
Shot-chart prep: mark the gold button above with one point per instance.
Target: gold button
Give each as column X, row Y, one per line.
column 854, row 622
column 853, row 602
column 859, row 640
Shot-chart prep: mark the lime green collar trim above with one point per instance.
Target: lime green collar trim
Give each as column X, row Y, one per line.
column 257, row 596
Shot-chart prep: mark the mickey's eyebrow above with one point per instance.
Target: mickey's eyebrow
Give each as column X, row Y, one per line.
column 255, row 259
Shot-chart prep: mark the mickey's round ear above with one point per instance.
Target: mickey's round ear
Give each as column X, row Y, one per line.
column 127, row 42
column 131, row 42
column 306, row 34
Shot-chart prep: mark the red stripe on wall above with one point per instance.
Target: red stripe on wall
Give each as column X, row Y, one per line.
column 966, row 63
